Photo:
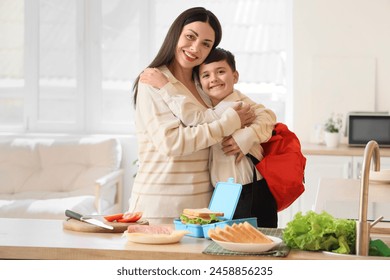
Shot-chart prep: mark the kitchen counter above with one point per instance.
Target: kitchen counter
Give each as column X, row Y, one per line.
column 46, row 239
column 341, row 150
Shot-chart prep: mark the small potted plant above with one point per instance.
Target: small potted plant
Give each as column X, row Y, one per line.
column 332, row 129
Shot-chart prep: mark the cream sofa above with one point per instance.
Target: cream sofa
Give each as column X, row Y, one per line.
column 42, row 177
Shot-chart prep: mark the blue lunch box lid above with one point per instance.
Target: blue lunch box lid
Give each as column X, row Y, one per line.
column 225, row 198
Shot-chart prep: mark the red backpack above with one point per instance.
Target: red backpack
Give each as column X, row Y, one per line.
column 283, row 166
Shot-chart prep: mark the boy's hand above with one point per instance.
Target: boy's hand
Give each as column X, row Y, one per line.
column 230, row 147
column 239, row 157
column 246, row 113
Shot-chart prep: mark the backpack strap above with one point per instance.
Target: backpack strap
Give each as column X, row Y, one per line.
column 253, row 159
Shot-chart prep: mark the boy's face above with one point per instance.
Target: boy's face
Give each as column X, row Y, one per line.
column 217, row 80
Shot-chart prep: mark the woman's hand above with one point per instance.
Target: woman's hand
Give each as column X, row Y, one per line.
column 153, row 77
column 230, row 147
column 246, row 113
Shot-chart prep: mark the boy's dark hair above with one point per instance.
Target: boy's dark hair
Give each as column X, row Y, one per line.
column 219, row 54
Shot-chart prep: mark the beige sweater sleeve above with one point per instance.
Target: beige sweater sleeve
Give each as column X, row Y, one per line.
column 259, row 131
column 168, row 133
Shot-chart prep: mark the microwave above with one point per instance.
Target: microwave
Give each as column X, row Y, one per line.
column 371, row 126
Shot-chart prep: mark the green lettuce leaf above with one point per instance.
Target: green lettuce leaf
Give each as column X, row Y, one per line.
column 315, row 232
column 198, row 220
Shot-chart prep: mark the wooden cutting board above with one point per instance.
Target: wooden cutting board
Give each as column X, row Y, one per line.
column 75, row 225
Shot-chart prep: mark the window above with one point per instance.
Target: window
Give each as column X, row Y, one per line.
column 12, row 80
column 68, row 66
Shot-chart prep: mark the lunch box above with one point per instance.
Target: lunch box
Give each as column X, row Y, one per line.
column 224, row 199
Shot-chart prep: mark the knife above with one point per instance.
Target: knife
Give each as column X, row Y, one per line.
column 88, row 220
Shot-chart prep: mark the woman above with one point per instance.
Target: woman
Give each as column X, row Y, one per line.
column 173, row 159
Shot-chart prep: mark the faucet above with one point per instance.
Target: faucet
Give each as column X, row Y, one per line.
column 371, row 152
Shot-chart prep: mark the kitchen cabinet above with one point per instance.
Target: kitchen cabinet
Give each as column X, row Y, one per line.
column 342, row 162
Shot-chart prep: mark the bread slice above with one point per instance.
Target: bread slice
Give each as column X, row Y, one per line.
column 201, row 212
column 259, row 237
column 239, row 233
column 214, row 236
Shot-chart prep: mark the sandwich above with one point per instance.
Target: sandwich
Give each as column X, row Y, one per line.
column 200, row 216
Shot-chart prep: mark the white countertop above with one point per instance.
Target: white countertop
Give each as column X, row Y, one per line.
column 47, row 240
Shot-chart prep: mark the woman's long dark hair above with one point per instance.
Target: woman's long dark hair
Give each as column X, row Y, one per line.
column 167, row 51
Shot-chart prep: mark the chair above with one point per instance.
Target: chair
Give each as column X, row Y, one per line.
column 341, row 198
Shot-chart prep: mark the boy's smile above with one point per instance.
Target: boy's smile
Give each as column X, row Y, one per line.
column 217, row 80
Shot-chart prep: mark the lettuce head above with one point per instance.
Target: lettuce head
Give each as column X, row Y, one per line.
column 320, row 232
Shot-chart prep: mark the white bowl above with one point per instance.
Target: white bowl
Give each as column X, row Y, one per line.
column 250, row 247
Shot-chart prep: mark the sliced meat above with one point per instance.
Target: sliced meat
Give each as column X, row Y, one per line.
column 150, row 229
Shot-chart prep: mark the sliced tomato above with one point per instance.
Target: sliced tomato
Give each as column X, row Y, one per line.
column 114, row 217
column 130, row 217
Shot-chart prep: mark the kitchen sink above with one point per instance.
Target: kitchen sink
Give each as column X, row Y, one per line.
column 381, row 231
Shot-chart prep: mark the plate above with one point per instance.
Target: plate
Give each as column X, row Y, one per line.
column 250, row 247
column 147, row 238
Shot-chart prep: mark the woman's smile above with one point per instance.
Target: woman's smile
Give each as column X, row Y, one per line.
column 190, row 56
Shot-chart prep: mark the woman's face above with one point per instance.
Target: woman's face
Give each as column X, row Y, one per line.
column 194, row 45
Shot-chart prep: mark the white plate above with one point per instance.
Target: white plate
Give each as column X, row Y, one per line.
column 250, row 247
column 147, row 238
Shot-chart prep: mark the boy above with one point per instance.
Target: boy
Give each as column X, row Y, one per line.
column 217, row 76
